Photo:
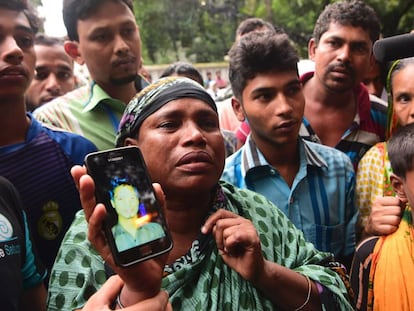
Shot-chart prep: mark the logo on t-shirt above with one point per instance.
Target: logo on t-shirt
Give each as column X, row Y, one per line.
column 9, row 244
column 50, row 223
column 6, row 229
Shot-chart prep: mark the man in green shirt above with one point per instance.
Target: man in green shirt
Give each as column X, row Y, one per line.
column 105, row 37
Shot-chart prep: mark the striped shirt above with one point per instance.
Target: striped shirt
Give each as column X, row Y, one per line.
column 367, row 128
column 321, row 201
column 39, row 168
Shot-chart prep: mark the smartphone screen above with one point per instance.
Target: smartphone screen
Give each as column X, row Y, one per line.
column 135, row 226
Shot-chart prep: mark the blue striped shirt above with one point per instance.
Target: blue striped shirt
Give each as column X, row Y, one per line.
column 321, row 201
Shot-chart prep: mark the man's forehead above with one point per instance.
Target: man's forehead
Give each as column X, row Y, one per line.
column 14, row 20
column 346, row 30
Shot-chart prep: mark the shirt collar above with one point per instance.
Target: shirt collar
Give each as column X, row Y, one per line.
column 97, row 95
column 252, row 157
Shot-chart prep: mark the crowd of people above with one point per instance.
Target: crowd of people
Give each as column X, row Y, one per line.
column 289, row 192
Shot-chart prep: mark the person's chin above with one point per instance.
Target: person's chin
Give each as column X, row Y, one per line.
column 123, row 80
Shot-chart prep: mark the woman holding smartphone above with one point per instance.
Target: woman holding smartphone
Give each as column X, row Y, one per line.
column 232, row 248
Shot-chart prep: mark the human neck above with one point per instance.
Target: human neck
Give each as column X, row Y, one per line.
column 280, row 154
column 317, row 95
column 13, row 121
column 128, row 224
column 284, row 158
column 123, row 93
column 187, row 214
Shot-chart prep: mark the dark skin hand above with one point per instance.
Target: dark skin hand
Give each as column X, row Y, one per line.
column 385, row 216
column 238, row 243
column 150, row 272
column 104, row 298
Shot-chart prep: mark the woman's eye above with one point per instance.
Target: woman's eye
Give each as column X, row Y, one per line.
column 168, row 125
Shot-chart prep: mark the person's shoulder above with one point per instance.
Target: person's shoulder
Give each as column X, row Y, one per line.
column 73, row 145
column 10, row 200
column 232, row 164
column 330, row 155
column 234, row 159
column 79, row 223
column 374, row 153
column 324, row 150
column 5, row 185
column 245, row 196
column 8, row 192
column 77, row 236
column 306, row 76
column 77, row 97
column 378, row 103
column 63, row 136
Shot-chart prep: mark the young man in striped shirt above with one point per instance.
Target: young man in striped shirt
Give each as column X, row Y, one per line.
column 311, row 183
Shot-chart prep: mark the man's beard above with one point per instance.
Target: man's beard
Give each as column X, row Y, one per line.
column 124, row 80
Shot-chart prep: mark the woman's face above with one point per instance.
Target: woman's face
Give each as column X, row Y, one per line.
column 183, row 147
column 403, row 95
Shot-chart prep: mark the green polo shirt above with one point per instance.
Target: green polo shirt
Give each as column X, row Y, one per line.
column 88, row 111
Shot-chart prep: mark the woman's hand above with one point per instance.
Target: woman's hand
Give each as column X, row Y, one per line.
column 238, row 243
column 142, row 280
column 106, row 295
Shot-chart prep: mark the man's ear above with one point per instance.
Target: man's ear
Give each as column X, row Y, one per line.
column 238, row 109
column 398, row 186
column 71, row 48
column 311, row 48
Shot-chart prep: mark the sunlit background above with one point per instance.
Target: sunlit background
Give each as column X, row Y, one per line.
column 51, row 11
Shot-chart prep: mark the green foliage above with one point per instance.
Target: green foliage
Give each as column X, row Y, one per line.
column 203, row 30
column 35, row 3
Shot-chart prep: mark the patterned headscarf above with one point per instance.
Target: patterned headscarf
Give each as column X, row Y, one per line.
column 155, row 96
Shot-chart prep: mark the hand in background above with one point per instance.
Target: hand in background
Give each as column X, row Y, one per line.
column 385, row 216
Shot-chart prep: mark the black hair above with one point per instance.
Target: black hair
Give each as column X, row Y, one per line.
column 75, row 10
column 45, row 40
column 353, row 13
column 183, row 69
column 26, row 8
column 15, row 5
column 401, row 150
column 253, row 24
column 260, row 52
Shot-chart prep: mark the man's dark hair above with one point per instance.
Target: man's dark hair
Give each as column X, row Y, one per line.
column 401, row 150
column 257, row 53
column 15, row 5
column 75, row 10
column 26, row 8
column 183, row 69
column 353, row 13
column 252, row 24
column 45, row 40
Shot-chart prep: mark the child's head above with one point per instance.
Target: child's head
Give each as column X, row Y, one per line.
column 401, row 156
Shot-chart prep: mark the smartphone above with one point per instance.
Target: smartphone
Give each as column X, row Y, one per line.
column 135, row 226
